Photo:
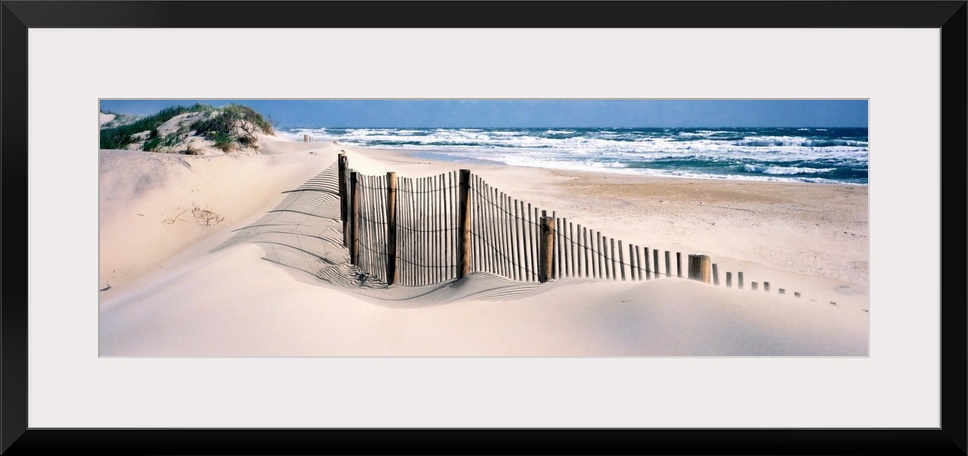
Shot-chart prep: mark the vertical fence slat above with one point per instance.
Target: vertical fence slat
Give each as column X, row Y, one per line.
column 571, row 246
column 518, row 240
column 527, row 233
column 408, row 202
column 668, row 264
column 512, row 239
column 427, row 216
column 598, row 270
column 414, row 225
column 492, row 234
column 402, row 230
column 536, row 231
column 360, row 230
column 582, row 272
column 621, row 262
column 379, row 234
column 454, row 181
column 411, row 261
column 501, row 222
column 588, row 261
column 561, row 238
column 484, row 253
column 481, row 226
column 580, row 254
column 439, row 261
column 631, row 262
column 417, row 233
column 715, row 274
column 445, row 229
column 368, row 224
column 559, row 264
column 487, row 240
column 371, row 226
column 436, row 235
column 364, row 253
column 513, row 246
column 477, row 255
column 507, row 233
column 609, row 258
column 495, row 246
column 638, row 261
column 648, row 264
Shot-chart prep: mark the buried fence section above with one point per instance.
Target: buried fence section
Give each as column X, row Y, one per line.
column 421, row 231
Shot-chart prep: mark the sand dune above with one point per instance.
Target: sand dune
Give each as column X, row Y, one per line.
column 258, row 281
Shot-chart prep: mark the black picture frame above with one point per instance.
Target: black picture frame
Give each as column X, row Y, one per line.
column 17, row 17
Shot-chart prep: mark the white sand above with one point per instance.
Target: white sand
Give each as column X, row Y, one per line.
column 180, row 288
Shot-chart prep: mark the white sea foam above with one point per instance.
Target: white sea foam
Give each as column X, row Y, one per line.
column 738, row 153
column 784, row 170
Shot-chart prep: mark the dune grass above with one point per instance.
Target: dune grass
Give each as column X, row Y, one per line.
column 229, row 127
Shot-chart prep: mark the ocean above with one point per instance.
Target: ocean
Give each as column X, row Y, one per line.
column 820, row 155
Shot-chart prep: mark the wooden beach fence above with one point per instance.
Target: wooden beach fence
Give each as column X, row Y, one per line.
column 422, row 231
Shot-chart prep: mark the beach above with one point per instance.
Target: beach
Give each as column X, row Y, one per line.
column 176, row 284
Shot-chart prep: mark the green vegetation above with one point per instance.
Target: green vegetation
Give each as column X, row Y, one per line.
column 233, row 126
column 120, row 136
column 229, row 127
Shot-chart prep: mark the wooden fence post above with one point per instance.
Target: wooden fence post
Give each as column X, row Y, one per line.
column 729, row 279
column 354, row 216
column 392, row 276
column 699, row 268
column 343, row 197
column 705, row 269
column 715, row 274
column 678, row 264
column 739, row 280
column 547, row 249
column 464, row 225
column 766, row 286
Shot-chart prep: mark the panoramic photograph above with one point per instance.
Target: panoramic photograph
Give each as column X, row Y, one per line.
column 483, row 227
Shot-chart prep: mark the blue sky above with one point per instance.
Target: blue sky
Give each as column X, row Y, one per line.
column 536, row 113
